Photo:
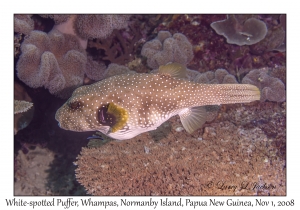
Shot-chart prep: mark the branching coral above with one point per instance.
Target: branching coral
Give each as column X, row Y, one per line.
column 165, row 48
column 55, row 61
column 272, row 88
column 246, row 33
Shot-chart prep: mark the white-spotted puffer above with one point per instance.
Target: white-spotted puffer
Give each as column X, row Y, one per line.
column 126, row 105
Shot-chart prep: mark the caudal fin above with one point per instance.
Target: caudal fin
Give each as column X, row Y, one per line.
column 235, row 93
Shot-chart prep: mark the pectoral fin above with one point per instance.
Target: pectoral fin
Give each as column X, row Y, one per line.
column 193, row 118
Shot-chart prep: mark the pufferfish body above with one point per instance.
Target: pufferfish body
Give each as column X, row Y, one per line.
column 126, row 105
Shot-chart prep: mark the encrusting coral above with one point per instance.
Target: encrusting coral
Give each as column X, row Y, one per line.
column 166, row 48
column 54, row 61
column 272, row 88
column 248, row 32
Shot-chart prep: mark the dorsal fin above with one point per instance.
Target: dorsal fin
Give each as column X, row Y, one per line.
column 193, row 118
column 176, row 70
column 120, row 114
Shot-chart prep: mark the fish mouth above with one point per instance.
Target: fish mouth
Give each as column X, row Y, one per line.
column 58, row 117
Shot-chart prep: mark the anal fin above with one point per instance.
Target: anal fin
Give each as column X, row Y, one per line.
column 193, row 118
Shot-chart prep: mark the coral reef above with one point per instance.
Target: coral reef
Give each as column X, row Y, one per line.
column 166, row 48
column 23, row 24
column 53, row 60
column 211, row 51
column 171, row 162
column 241, row 145
column 272, row 88
column 247, row 32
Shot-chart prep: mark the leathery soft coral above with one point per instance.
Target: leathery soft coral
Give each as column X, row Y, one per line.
column 89, row 26
column 54, row 61
column 99, row 26
column 220, row 76
column 23, row 24
column 272, row 88
column 166, row 48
